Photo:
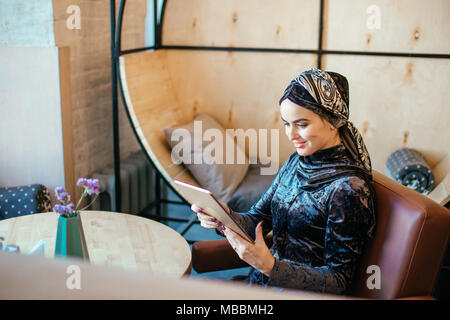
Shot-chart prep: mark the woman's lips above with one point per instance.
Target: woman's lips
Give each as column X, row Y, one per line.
column 299, row 144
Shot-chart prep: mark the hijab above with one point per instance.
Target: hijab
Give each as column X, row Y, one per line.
column 327, row 94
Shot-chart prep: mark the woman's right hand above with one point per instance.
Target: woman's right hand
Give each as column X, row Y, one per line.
column 206, row 220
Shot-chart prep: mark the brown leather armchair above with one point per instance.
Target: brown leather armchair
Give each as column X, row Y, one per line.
column 411, row 237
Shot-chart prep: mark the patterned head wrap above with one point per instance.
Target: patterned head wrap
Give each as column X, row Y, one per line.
column 327, row 94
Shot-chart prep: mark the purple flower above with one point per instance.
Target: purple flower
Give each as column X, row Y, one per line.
column 58, row 208
column 65, row 206
column 82, row 182
column 70, row 207
column 59, row 191
column 63, row 197
column 94, row 186
column 91, row 185
column 64, row 210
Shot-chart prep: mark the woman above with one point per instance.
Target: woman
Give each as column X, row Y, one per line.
column 321, row 203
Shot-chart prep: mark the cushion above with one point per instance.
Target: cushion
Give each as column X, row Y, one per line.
column 250, row 189
column 23, row 200
column 203, row 146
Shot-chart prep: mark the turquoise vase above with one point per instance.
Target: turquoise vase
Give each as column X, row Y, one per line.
column 70, row 241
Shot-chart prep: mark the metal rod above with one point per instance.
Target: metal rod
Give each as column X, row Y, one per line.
column 155, row 23
column 319, row 53
column 128, row 51
column 118, row 34
column 174, row 202
column 186, row 227
column 390, row 54
column 158, row 194
column 154, row 217
column 245, row 49
column 313, row 51
column 115, row 115
column 161, row 20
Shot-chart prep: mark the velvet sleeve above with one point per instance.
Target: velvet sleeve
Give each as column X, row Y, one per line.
column 349, row 225
column 261, row 210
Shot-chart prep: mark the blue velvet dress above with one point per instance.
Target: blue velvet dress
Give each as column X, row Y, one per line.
column 321, row 210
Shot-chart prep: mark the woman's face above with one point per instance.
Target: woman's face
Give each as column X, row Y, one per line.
column 307, row 130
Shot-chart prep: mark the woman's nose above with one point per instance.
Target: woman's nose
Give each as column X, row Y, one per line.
column 292, row 133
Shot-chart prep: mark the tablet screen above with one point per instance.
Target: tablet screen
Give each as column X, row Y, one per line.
column 206, row 200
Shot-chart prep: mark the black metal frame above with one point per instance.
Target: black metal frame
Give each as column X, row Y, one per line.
column 116, row 52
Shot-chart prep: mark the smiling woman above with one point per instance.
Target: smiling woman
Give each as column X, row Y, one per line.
column 320, row 205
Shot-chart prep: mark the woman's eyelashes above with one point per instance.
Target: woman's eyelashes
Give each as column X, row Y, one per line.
column 298, row 125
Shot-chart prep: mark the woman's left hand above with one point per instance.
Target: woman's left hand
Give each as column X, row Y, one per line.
column 257, row 255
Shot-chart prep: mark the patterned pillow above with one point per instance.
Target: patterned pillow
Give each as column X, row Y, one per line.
column 23, row 200
column 222, row 178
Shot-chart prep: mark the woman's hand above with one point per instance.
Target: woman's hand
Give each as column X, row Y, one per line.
column 257, row 255
column 206, row 220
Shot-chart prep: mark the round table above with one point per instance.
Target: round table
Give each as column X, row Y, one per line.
column 113, row 239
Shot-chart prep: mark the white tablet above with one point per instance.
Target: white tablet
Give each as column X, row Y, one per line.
column 206, row 200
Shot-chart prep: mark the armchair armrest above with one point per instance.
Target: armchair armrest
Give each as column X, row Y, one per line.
column 215, row 255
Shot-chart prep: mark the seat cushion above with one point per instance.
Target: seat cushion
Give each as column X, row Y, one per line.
column 250, row 189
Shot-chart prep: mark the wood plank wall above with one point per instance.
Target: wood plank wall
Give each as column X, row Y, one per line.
column 396, row 102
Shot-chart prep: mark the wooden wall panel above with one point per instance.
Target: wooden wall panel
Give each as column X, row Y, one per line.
column 258, row 23
column 134, row 23
column 240, row 89
column 398, row 102
column 66, row 118
column 405, row 26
